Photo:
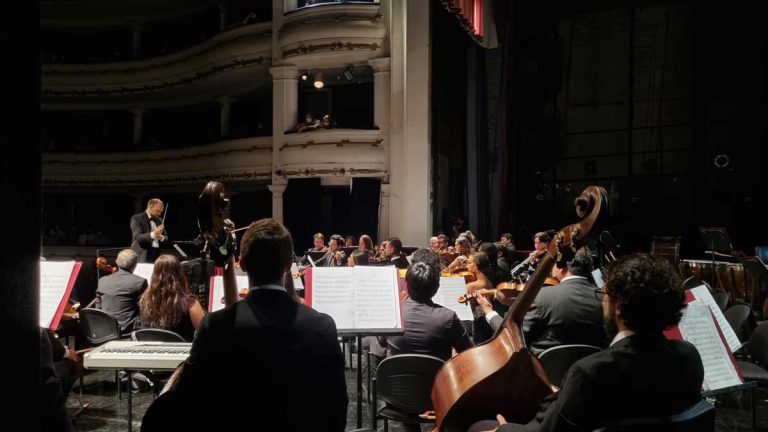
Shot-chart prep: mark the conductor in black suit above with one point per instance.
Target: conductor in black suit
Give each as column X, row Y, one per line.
column 118, row 294
column 283, row 356
column 641, row 374
column 148, row 231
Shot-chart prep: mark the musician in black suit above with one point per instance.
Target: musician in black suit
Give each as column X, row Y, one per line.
column 284, row 356
column 395, row 253
column 566, row 313
column 641, row 374
column 53, row 399
column 148, row 231
column 118, row 294
column 430, row 329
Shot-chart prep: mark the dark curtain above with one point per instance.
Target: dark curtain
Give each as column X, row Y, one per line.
column 364, row 206
column 302, row 210
column 503, row 12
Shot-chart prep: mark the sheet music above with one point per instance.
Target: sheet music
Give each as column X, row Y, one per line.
column 54, row 278
column 698, row 328
column 702, row 294
column 297, row 283
column 597, row 274
column 145, row 270
column 217, row 290
column 333, row 294
column 377, row 304
column 360, row 297
column 451, row 288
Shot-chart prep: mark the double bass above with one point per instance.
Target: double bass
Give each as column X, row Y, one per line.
column 501, row 376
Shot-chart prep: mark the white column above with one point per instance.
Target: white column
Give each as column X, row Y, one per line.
column 278, row 12
column 277, row 201
column 381, row 90
column 409, row 167
column 285, row 107
column 136, row 40
column 138, row 126
column 384, row 213
column 225, row 104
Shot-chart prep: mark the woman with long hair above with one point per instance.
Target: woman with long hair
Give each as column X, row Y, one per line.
column 167, row 303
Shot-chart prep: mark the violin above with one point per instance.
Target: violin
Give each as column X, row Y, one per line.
column 502, row 376
column 505, row 293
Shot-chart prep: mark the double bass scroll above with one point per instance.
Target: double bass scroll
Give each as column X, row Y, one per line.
column 501, row 376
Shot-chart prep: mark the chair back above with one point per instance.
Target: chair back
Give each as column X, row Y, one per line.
column 99, row 326
column 405, row 381
column 156, row 335
column 722, row 299
column 698, row 418
column 740, row 318
column 557, row 360
column 758, row 345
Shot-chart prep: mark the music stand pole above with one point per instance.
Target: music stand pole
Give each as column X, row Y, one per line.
column 714, row 267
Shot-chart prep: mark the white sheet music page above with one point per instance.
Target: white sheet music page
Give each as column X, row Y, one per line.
column 54, row 277
column 702, row 294
column 333, row 294
column 377, row 301
column 145, row 270
column 698, row 328
column 451, row 288
column 297, row 283
column 217, row 291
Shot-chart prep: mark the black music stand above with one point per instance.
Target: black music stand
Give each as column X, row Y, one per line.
column 719, row 243
column 759, row 270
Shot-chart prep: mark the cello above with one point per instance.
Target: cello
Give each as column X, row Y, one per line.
column 501, row 376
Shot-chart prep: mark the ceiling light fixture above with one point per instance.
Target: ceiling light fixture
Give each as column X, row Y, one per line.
column 319, row 80
column 304, row 75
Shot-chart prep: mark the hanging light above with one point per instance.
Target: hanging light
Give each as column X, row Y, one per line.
column 319, row 80
column 304, row 75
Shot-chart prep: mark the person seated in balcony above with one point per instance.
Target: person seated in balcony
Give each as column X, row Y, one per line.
column 310, row 123
column 328, row 122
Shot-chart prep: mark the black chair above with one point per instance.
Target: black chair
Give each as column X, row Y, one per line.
column 741, row 320
column 156, row 335
column 557, row 360
column 99, row 328
column 757, row 353
column 722, row 299
column 404, row 383
column 698, row 418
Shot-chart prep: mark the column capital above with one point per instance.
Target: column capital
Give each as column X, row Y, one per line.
column 277, row 189
column 284, row 72
column 381, row 64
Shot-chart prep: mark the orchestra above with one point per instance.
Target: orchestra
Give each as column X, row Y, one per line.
column 499, row 290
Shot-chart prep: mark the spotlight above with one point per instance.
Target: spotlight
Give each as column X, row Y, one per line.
column 304, row 75
column 319, row 80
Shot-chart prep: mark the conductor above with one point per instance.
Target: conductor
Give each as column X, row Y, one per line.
column 148, row 231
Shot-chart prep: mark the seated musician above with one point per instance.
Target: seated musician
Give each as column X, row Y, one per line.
column 395, row 253
column 366, row 245
column 118, row 294
column 566, row 313
column 506, row 241
column 52, row 397
column 430, row 329
column 443, row 239
column 358, row 257
column 641, row 374
column 167, row 303
column 434, row 244
column 349, row 241
column 335, row 256
column 464, row 249
column 503, row 259
column 479, row 265
column 495, row 273
column 285, row 356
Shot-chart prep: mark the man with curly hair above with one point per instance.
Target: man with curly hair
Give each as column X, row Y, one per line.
column 641, row 374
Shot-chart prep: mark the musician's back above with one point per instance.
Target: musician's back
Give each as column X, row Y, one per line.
column 265, row 363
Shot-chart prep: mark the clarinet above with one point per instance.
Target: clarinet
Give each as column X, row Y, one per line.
column 520, row 269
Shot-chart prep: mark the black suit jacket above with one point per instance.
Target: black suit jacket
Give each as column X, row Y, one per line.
column 118, row 295
column 141, row 238
column 430, row 329
column 265, row 363
column 567, row 313
column 635, row 377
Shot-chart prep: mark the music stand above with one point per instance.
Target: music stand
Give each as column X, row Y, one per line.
column 719, row 243
column 759, row 270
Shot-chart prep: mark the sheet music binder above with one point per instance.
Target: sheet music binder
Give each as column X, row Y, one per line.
column 716, row 239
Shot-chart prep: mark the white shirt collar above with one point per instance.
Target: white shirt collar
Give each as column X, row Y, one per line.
column 573, row 277
column 621, row 335
column 269, row 286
